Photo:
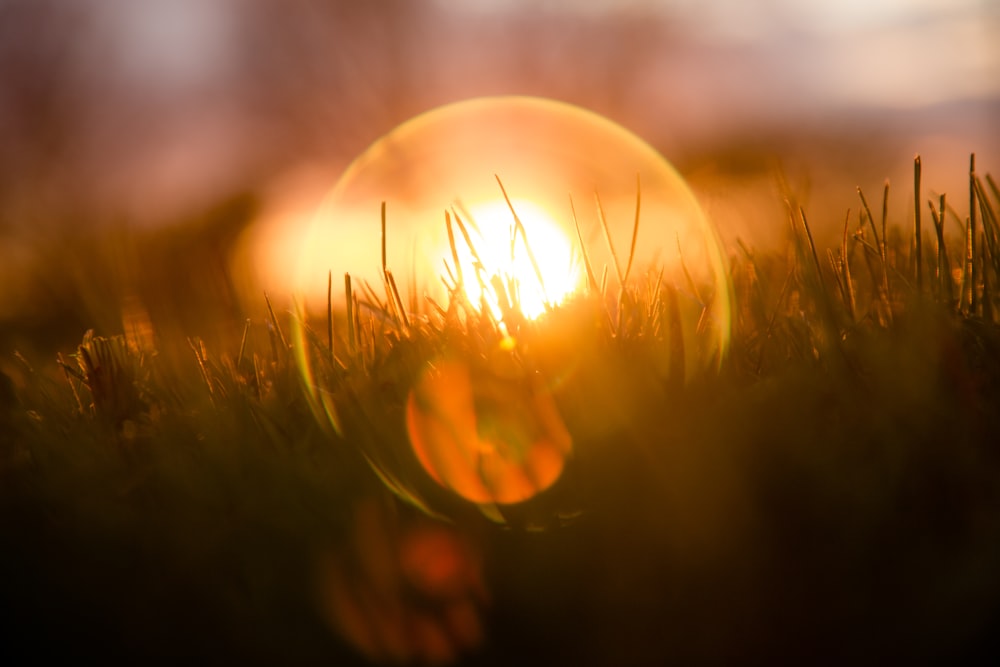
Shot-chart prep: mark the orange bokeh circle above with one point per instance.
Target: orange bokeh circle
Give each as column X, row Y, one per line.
column 486, row 439
column 490, row 440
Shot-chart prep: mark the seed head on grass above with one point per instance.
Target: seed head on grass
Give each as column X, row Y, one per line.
column 117, row 378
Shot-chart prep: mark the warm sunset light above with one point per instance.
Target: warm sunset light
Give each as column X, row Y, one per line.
column 448, row 333
column 489, row 440
column 538, row 263
column 547, row 154
column 524, row 202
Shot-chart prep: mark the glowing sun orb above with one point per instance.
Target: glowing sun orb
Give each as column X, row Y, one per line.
column 538, row 263
column 575, row 180
column 546, row 154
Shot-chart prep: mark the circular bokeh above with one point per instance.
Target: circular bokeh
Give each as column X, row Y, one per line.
column 541, row 199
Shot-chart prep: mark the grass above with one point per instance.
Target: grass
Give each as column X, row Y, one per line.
column 830, row 495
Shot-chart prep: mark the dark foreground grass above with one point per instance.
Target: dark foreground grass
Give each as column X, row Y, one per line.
column 831, row 496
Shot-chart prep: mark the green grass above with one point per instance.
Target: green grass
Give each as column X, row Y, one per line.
column 830, row 494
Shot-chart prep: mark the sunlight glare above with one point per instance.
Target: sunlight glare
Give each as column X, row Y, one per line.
column 492, row 232
column 423, row 205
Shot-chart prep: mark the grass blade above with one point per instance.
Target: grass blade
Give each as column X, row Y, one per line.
column 519, row 229
column 635, row 227
column 973, row 232
column 607, row 237
column 352, row 341
column 591, row 278
column 918, row 258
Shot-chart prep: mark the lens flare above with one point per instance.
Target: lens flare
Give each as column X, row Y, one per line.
column 547, row 154
column 617, row 279
column 487, row 439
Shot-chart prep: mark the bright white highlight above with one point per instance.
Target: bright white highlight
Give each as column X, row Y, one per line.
column 504, row 254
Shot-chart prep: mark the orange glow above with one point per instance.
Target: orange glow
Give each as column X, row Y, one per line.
column 546, row 153
column 576, row 181
column 489, row 440
column 508, row 254
column 402, row 590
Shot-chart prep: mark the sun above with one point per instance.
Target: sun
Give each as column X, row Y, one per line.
column 535, row 262
column 578, row 183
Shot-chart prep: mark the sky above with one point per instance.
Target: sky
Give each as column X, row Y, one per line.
column 203, row 94
column 149, row 113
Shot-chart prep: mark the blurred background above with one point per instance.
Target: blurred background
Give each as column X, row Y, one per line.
column 140, row 139
column 143, row 143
